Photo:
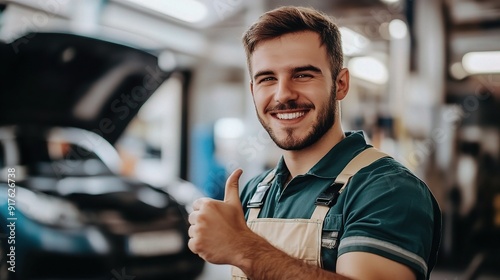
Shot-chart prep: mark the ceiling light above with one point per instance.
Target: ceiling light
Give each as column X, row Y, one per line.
column 352, row 42
column 369, row 69
column 186, row 10
column 398, row 29
column 481, row 62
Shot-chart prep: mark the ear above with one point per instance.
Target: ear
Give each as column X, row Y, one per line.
column 342, row 83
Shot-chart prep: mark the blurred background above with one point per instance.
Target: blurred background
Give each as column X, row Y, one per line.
column 425, row 87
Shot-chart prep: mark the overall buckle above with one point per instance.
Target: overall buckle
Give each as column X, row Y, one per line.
column 260, row 194
column 329, row 196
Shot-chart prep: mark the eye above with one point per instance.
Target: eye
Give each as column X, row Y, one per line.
column 266, row 79
column 303, row 76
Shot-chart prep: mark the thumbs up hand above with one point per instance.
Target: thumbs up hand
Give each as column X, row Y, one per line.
column 232, row 194
column 218, row 226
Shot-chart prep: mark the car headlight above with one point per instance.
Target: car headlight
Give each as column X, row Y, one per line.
column 47, row 209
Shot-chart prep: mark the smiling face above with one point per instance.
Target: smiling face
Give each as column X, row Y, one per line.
column 293, row 90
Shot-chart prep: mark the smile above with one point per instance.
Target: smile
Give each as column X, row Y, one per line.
column 290, row 116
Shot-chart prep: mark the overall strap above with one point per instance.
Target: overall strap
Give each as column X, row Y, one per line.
column 257, row 200
column 328, row 198
column 362, row 160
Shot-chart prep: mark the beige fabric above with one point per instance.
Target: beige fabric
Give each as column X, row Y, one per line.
column 362, row 160
column 301, row 238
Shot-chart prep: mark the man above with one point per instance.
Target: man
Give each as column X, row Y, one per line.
column 310, row 218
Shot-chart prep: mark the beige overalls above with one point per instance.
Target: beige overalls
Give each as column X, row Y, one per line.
column 301, row 238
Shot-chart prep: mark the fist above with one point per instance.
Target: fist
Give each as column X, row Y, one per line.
column 217, row 227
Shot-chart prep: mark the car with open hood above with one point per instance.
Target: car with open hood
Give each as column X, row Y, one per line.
column 66, row 212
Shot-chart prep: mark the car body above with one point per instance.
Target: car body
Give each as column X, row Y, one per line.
column 65, row 210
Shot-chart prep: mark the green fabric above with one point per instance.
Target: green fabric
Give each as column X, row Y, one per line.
column 385, row 209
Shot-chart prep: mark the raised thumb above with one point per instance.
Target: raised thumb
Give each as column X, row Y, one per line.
column 231, row 194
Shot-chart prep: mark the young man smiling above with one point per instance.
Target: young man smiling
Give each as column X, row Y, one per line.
column 334, row 207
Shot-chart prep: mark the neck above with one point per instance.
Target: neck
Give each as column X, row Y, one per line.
column 300, row 161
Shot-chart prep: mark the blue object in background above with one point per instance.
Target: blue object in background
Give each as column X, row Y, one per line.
column 205, row 171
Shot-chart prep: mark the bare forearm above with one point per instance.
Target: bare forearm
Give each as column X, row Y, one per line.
column 260, row 260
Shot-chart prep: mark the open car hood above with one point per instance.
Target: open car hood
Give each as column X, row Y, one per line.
column 67, row 80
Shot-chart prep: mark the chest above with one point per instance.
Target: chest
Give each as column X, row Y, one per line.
column 289, row 220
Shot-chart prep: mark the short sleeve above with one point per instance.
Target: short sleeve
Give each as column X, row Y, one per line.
column 388, row 211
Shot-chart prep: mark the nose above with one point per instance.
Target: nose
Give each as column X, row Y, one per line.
column 285, row 92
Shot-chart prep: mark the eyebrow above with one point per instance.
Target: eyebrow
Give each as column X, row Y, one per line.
column 306, row 68
column 292, row 71
column 262, row 73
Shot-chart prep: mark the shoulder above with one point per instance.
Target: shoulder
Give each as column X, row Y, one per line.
column 388, row 174
column 391, row 212
column 387, row 184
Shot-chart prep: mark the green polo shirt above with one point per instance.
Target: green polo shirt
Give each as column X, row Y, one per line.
column 385, row 209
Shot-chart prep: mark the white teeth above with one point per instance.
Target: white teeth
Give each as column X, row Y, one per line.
column 290, row 116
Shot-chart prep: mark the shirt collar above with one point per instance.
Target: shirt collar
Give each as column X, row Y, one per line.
column 336, row 159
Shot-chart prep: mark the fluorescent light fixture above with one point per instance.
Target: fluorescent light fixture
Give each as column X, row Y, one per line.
column 352, row 42
column 229, row 128
column 390, row 1
column 398, row 29
column 186, row 10
column 481, row 62
column 369, row 69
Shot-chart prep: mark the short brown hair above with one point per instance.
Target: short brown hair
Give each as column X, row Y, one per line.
column 290, row 19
